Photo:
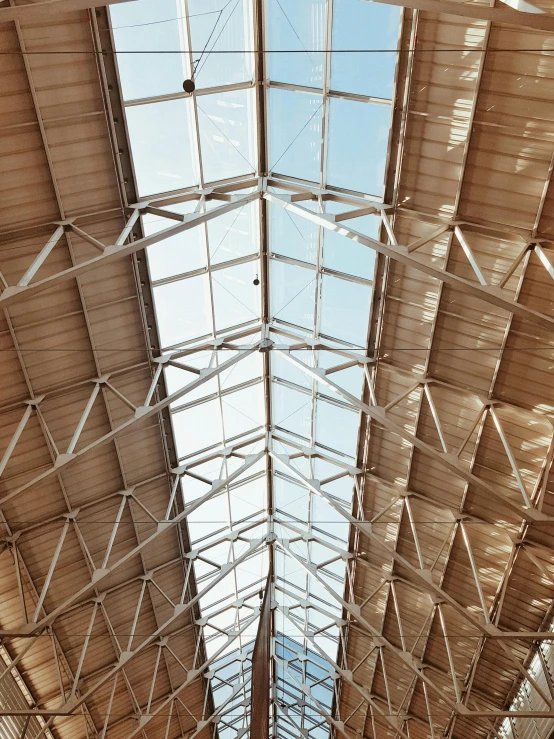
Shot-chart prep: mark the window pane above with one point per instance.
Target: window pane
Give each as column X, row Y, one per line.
column 292, row 293
column 141, row 26
column 247, row 368
column 291, row 500
column 286, row 370
column 298, row 26
column 359, row 24
column 295, row 134
column 243, row 410
column 347, row 255
column 292, row 410
column 248, row 499
column 358, row 139
column 181, row 253
column 345, row 310
column 183, row 310
column 176, row 379
column 161, row 140
column 220, row 25
column 234, row 234
column 197, row 428
column 236, row 298
column 291, row 235
column 227, row 137
column 336, row 427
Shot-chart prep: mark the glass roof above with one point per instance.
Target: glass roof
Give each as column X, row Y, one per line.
column 327, row 124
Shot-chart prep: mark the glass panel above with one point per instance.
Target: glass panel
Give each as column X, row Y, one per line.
column 161, row 140
column 248, row 499
column 148, row 26
column 298, row 26
column 181, row 253
column 183, row 310
column 286, row 370
column 209, row 517
column 197, row 428
column 295, row 133
column 235, row 234
column 336, row 427
column 292, row 410
column 243, row 410
column 292, row 293
column 292, row 501
column 359, row 24
column 327, row 521
column 349, row 379
column 236, row 298
column 216, row 26
column 346, row 255
column 358, row 139
column 176, row 379
column 248, row 368
column 292, row 235
column 227, row 137
column 345, row 309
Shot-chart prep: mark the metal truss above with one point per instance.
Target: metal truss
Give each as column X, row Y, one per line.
column 377, row 703
column 420, row 578
column 448, row 460
column 493, row 294
column 440, row 600
column 452, row 700
column 410, row 254
column 26, row 287
column 139, row 413
column 161, row 639
column 446, row 692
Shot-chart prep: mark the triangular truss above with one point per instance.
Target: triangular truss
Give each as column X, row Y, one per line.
column 305, row 501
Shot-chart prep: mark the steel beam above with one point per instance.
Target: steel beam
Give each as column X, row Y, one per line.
column 493, row 295
column 378, row 414
column 31, row 629
column 15, row 293
column 537, row 20
column 142, row 413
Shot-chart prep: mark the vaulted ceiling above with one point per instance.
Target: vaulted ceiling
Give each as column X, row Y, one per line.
column 306, row 309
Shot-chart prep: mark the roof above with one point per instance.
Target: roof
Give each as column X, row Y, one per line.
column 305, row 308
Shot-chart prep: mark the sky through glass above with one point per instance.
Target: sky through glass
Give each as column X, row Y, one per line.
column 328, row 119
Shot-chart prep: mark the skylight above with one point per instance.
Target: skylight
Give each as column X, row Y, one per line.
column 327, row 125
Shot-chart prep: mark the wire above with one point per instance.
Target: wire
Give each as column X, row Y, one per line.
column 226, row 138
column 458, row 49
column 167, row 20
column 219, row 34
column 229, row 228
column 209, row 38
column 234, row 296
column 295, row 32
column 356, row 349
column 294, row 297
column 342, row 522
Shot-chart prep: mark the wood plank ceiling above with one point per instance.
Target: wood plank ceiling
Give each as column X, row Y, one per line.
column 474, row 381
column 57, row 162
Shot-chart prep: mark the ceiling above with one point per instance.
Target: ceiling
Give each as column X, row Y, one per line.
column 307, row 310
